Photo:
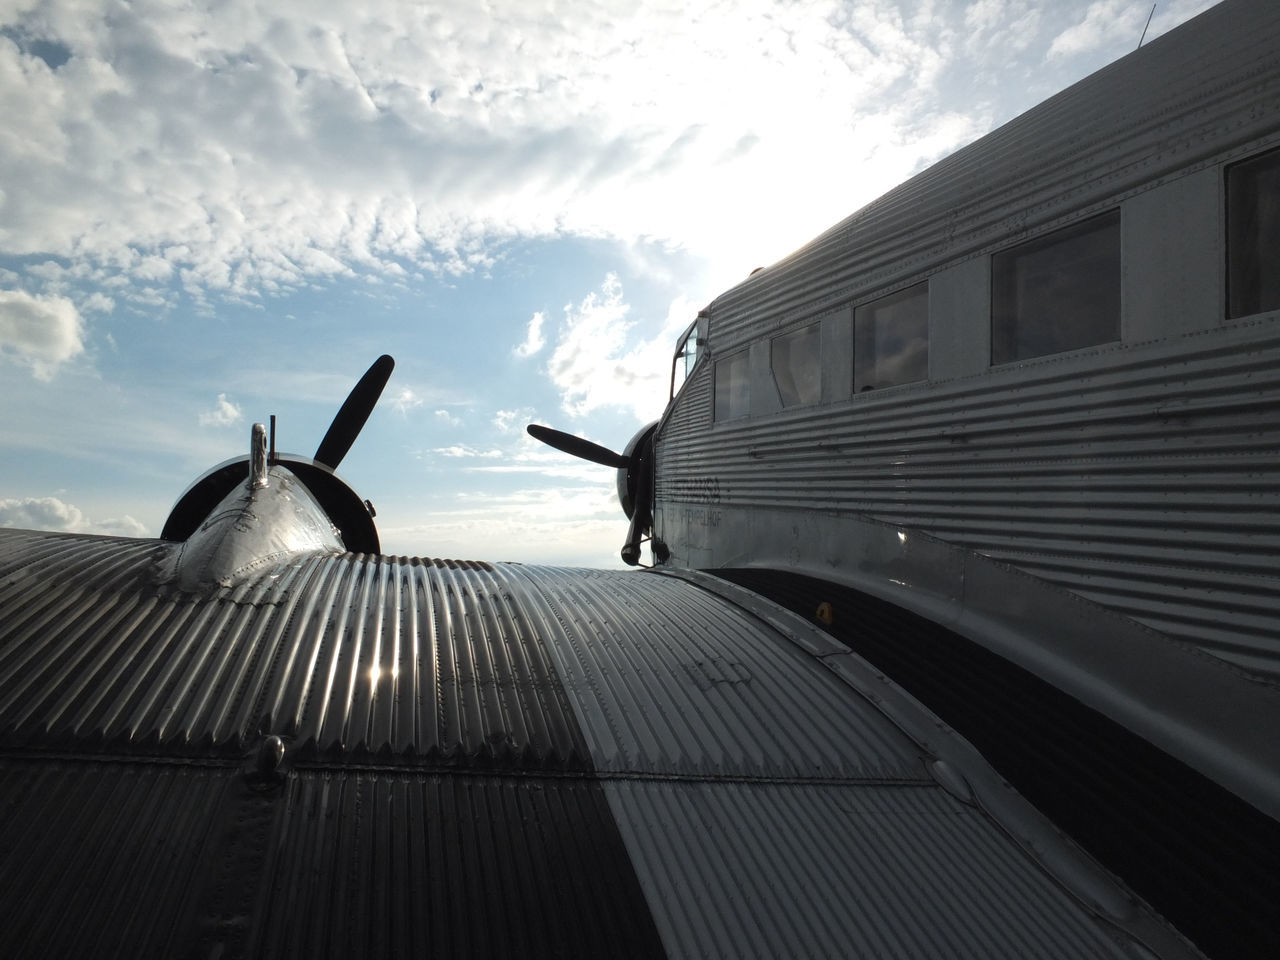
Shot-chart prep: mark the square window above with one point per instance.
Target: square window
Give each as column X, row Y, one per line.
column 891, row 339
column 1253, row 235
column 1057, row 293
column 732, row 397
column 797, row 369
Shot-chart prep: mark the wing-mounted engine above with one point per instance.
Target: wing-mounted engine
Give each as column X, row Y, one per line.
column 635, row 481
column 265, row 479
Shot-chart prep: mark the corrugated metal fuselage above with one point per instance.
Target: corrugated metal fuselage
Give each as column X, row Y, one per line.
column 1141, row 474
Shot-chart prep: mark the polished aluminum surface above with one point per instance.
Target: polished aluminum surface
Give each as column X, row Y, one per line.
column 477, row 756
column 727, row 864
column 262, row 521
column 338, row 653
column 258, row 456
column 672, row 680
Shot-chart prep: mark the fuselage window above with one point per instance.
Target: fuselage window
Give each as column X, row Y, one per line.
column 891, row 339
column 1057, row 293
column 1253, row 235
column 732, row 397
column 797, row 369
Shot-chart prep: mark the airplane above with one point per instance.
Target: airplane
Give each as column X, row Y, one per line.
column 958, row 636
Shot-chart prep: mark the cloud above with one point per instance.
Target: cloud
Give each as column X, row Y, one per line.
column 580, row 525
column 462, row 450
column 98, row 303
column 508, row 420
column 1102, row 22
column 445, row 418
column 597, row 363
column 224, row 414
column 405, row 400
column 50, row 513
column 533, row 339
column 238, row 153
column 1118, row 24
column 39, row 332
column 228, row 151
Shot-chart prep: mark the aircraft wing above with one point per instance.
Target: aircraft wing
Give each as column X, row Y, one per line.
column 348, row 754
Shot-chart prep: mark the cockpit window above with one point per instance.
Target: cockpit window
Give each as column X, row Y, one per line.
column 686, row 356
column 797, row 370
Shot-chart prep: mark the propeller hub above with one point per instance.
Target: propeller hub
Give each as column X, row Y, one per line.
column 639, row 455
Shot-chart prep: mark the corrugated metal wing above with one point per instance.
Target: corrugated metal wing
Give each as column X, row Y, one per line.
column 487, row 761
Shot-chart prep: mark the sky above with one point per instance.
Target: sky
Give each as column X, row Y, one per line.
column 211, row 212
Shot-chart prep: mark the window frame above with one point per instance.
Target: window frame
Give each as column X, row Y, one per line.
column 1246, row 303
column 682, row 352
column 1007, row 309
column 901, row 295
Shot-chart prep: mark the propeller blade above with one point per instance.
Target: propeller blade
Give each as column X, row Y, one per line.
column 577, row 447
column 354, row 412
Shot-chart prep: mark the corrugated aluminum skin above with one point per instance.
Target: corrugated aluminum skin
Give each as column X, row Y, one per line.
column 718, row 697
column 103, row 859
column 482, row 760
column 401, row 864
column 1146, row 479
column 351, row 654
column 1203, row 856
column 1143, row 475
column 889, row 871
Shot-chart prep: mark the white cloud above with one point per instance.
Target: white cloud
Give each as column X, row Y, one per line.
column 596, row 363
column 405, row 400
column 1116, row 26
column 225, row 413
column 533, row 338
column 1103, row 21
column 50, row 513
column 462, row 450
column 445, row 418
column 98, row 303
column 39, row 332
column 508, row 420
column 237, row 152
column 580, row 525
column 999, row 27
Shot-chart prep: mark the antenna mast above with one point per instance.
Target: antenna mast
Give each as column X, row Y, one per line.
column 1146, row 25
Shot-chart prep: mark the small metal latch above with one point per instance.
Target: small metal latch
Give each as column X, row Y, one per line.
column 267, row 763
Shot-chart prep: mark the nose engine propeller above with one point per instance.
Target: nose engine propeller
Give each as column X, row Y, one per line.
column 354, row 412
column 635, row 481
column 578, row 447
column 347, row 512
